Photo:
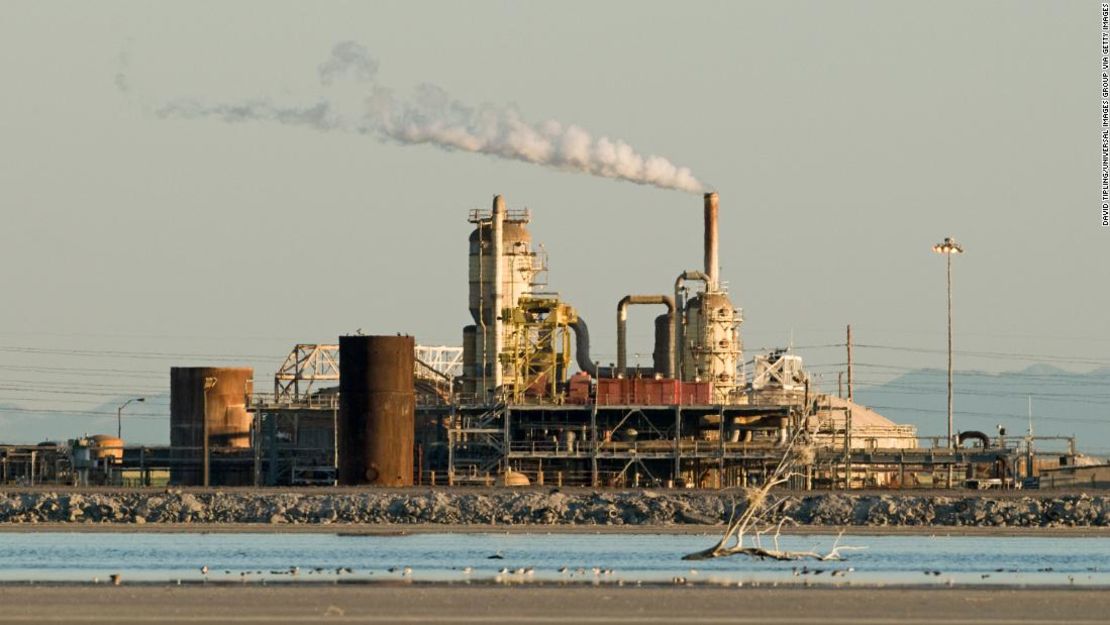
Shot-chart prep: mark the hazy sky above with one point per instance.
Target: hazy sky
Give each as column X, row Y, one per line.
column 845, row 138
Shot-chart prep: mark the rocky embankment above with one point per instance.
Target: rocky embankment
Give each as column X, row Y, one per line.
column 542, row 508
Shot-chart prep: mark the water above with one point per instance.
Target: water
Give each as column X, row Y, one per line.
column 632, row 558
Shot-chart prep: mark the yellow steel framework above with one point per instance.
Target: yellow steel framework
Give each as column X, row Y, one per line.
column 536, row 353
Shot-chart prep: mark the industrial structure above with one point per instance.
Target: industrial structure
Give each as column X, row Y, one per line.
column 691, row 419
column 377, row 405
column 522, row 402
column 209, row 421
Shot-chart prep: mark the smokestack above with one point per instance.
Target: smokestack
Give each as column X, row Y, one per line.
column 494, row 355
column 711, row 261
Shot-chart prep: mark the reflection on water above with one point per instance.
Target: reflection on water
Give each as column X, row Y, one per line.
column 603, row 558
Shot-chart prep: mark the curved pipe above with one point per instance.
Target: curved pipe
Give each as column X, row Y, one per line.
column 976, row 436
column 622, row 329
column 680, row 316
column 582, row 347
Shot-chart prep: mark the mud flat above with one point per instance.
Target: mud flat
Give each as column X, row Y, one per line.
column 305, row 603
column 550, row 511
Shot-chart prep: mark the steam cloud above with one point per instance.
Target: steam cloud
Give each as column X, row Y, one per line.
column 123, row 62
column 431, row 116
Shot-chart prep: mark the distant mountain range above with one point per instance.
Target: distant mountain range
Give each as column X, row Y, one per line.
column 1064, row 403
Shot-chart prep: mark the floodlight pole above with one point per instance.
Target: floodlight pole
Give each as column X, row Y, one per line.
column 948, row 259
column 948, row 247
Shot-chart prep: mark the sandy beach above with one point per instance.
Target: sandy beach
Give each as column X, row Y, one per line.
column 546, row 604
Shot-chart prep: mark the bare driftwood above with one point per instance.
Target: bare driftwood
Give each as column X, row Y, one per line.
column 758, row 508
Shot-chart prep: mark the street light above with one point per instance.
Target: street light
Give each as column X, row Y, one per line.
column 948, row 247
column 119, row 416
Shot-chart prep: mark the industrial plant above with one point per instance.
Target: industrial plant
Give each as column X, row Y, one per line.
column 522, row 402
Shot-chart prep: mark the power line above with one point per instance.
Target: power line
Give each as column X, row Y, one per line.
column 1022, row 396
column 972, row 353
column 131, row 354
column 70, row 384
column 144, row 415
column 998, row 355
column 1063, row 378
column 993, row 414
column 127, row 335
column 16, row 389
column 88, row 371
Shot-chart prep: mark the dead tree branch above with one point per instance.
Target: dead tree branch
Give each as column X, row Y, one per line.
column 758, row 511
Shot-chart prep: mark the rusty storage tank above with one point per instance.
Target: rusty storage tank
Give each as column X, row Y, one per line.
column 225, row 410
column 377, row 404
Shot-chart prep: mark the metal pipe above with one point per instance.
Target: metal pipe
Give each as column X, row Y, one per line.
column 582, row 347
column 498, row 287
column 482, row 390
column 680, row 315
column 712, row 265
column 622, row 329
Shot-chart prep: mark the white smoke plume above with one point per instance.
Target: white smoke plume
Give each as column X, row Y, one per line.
column 431, row 116
column 123, row 64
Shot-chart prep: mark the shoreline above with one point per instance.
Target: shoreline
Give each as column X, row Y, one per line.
column 355, row 530
column 773, row 586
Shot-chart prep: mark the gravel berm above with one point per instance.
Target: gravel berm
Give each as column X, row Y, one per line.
column 540, row 508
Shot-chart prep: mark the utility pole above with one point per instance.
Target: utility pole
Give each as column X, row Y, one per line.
column 948, row 247
column 1030, row 455
column 1029, row 399
column 848, row 418
column 848, row 448
column 209, row 383
column 849, row 362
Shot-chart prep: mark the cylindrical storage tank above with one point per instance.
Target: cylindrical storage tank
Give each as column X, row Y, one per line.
column 377, row 404
column 514, row 478
column 517, row 266
column 223, row 406
column 107, row 446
